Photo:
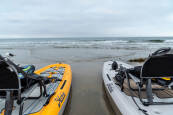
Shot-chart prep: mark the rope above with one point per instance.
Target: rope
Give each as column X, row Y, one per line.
column 131, row 93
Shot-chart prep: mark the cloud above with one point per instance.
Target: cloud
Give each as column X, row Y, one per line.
column 86, row 18
column 170, row 17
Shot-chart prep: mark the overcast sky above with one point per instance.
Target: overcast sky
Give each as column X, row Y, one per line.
column 86, row 18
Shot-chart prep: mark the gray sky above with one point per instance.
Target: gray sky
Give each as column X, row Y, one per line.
column 54, row 18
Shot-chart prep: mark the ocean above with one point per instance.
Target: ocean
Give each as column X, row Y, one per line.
column 86, row 49
column 95, row 42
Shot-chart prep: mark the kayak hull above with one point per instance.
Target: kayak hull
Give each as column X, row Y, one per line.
column 111, row 101
column 123, row 102
column 58, row 92
column 58, row 101
column 114, row 92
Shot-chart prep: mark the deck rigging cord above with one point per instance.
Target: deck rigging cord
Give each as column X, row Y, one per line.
column 131, row 93
column 122, row 71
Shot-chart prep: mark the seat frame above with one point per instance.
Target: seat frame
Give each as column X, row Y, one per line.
column 10, row 91
column 148, row 82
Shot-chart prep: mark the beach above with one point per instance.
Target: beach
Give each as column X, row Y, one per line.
column 87, row 95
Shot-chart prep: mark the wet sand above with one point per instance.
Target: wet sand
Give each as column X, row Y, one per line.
column 87, row 93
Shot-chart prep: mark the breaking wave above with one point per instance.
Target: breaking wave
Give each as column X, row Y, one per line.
column 60, row 43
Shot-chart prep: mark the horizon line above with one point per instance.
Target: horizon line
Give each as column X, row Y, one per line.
column 57, row 36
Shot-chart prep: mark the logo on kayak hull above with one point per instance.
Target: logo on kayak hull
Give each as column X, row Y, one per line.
column 60, row 99
column 110, row 88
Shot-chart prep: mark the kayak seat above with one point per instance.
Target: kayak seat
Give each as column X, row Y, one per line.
column 157, row 68
column 15, row 80
column 160, row 81
column 9, row 80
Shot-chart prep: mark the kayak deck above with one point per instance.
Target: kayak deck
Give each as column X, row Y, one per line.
column 124, row 102
column 166, row 93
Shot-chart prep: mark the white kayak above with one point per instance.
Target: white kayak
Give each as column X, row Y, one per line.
column 125, row 103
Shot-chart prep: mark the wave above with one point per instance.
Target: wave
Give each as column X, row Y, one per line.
column 156, row 41
column 168, row 41
column 96, row 44
column 159, row 41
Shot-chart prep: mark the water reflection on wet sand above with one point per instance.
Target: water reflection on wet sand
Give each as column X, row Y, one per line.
column 88, row 95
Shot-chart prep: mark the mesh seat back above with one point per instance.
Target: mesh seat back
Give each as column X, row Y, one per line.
column 8, row 79
column 158, row 67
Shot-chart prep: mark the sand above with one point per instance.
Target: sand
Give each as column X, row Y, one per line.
column 88, row 95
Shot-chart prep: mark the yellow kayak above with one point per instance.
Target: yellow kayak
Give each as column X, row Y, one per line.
column 58, row 92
